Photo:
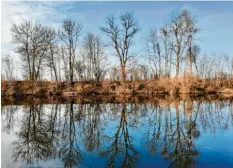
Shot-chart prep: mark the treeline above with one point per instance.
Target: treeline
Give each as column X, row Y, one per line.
column 61, row 55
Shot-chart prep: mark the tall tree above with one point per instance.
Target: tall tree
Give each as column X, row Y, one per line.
column 33, row 41
column 193, row 50
column 8, row 65
column 69, row 34
column 182, row 28
column 52, row 54
column 121, row 36
column 153, row 48
column 95, row 57
column 167, row 54
column 157, row 46
column 192, row 53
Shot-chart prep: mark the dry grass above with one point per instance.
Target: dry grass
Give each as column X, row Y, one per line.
column 172, row 86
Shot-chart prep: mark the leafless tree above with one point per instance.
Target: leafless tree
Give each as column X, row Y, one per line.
column 192, row 54
column 182, row 28
column 94, row 57
column 8, row 65
column 144, row 70
column 157, row 46
column 114, row 73
column 153, row 46
column 33, row 41
column 63, row 55
column 121, row 36
column 167, row 52
column 192, row 49
column 80, row 69
column 69, row 34
column 133, row 69
column 52, row 54
column 206, row 66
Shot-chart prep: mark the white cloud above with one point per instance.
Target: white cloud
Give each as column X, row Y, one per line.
column 17, row 12
column 11, row 12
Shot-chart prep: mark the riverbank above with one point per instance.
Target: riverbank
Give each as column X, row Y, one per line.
column 163, row 86
column 27, row 100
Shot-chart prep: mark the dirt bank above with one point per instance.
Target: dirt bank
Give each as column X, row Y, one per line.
column 155, row 87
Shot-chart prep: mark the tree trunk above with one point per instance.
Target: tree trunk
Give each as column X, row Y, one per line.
column 190, row 62
column 160, row 67
column 190, row 67
column 71, row 67
column 178, row 61
column 177, row 67
column 123, row 72
column 165, row 66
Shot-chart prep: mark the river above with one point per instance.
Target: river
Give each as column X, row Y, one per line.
column 182, row 134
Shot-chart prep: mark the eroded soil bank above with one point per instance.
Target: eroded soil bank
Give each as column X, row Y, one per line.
column 162, row 99
column 156, row 87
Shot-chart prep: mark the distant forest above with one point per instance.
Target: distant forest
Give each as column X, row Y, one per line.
column 61, row 55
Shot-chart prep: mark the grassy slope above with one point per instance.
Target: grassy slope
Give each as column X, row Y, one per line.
column 161, row 86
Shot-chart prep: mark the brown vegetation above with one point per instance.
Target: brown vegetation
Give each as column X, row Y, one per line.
column 162, row 99
column 184, row 85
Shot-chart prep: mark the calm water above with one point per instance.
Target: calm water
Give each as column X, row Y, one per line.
column 183, row 134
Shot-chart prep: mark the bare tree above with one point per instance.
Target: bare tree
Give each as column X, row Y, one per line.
column 63, row 55
column 95, row 57
column 192, row 50
column 192, row 54
column 144, row 71
column 121, row 35
column 7, row 68
column 80, row 69
column 33, row 40
column 52, row 54
column 153, row 48
column 167, row 52
column 69, row 34
column 157, row 46
column 114, row 73
column 133, row 69
column 181, row 28
column 206, row 66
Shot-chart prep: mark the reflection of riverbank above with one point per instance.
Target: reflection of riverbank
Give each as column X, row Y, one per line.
column 139, row 98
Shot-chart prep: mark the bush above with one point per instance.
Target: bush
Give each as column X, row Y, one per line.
column 129, row 87
column 141, row 86
column 99, row 84
column 113, row 87
column 118, row 83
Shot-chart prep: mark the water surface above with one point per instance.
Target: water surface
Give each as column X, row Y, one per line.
column 178, row 134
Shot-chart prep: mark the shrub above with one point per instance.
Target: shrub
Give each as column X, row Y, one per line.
column 113, row 87
column 141, row 86
column 129, row 87
column 118, row 83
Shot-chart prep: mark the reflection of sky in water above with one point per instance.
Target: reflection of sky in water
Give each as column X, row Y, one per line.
column 212, row 129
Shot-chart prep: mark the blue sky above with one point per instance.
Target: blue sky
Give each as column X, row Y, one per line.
column 215, row 19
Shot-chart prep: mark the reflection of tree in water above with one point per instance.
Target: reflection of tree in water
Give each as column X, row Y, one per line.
column 35, row 140
column 216, row 116
column 174, row 136
column 92, row 126
column 8, row 118
column 68, row 148
column 41, row 135
column 121, row 142
column 183, row 149
column 44, row 133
